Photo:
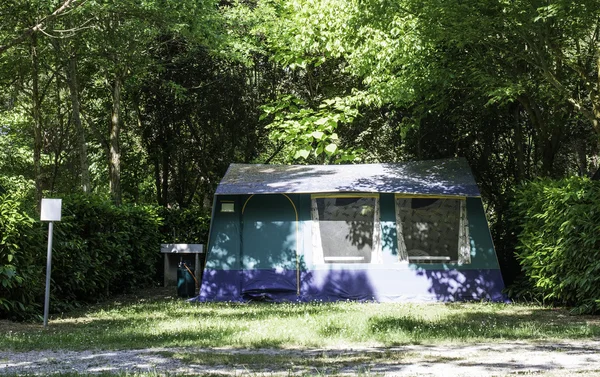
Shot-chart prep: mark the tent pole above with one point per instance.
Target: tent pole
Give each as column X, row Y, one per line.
column 297, row 256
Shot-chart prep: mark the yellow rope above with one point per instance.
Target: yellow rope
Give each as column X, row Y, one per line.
column 297, row 241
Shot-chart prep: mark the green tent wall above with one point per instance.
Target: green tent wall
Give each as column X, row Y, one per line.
column 263, row 244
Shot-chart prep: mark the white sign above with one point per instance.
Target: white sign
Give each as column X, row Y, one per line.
column 51, row 209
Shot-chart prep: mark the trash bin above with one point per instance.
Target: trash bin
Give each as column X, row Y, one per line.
column 186, row 286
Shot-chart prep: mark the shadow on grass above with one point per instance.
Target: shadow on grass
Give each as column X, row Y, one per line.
column 182, row 337
column 222, row 312
column 267, row 343
column 384, row 360
column 536, row 324
column 263, row 310
column 118, row 334
column 167, row 322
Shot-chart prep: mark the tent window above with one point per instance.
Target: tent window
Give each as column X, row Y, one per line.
column 227, row 207
column 432, row 230
column 346, row 230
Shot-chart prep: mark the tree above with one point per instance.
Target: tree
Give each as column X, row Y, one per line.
column 197, row 114
column 511, row 85
column 37, row 27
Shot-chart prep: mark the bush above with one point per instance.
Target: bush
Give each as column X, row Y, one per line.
column 559, row 241
column 102, row 249
column 16, row 228
column 99, row 250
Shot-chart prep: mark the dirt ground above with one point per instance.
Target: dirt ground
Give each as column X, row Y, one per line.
column 577, row 358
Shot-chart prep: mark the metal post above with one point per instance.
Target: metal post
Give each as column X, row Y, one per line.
column 48, row 269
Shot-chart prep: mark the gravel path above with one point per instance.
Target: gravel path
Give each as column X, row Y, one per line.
column 490, row 359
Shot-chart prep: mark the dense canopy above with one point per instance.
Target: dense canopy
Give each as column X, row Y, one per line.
column 149, row 102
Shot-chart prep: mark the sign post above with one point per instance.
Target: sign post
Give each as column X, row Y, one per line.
column 51, row 211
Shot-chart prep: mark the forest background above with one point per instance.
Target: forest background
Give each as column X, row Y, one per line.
column 135, row 108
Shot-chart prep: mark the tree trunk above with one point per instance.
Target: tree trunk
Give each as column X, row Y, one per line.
column 59, row 140
column 115, row 150
column 519, row 144
column 595, row 94
column 79, row 130
column 547, row 135
column 37, row 122
column 157, row 181
column 165, row 174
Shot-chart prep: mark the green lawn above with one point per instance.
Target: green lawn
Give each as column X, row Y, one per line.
column 157, row 319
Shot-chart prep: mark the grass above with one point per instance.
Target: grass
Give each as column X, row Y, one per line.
column 319, row 360
column 157, row 319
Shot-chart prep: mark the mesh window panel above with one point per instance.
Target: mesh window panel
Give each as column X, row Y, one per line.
column 346, row 228
column 430, row 228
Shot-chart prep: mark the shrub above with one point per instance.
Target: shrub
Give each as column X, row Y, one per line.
column 102, row 249
column 15, row 227
column 99, row 250
column 559, row 240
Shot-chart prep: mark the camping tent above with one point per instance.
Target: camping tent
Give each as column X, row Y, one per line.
column 412, row 231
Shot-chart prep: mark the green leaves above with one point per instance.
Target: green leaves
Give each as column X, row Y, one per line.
column 99, row 250
column 14, row 228
column 330, row 149
column 318, row 135
column 311, row 133
column 302, row 153
column 559, row 244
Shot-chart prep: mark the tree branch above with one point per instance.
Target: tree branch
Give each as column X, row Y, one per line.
column 39, row 26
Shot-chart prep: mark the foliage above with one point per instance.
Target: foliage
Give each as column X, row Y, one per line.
column 157, row 98
column 559, row 249
column 200, row 113
column 15, row 157
column 102, row 249
column 14, row 226
column 186, row 225
column 99, row 250
column 310, row 131
column 437, row 58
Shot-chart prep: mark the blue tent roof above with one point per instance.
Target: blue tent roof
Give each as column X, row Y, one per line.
column 431, row 177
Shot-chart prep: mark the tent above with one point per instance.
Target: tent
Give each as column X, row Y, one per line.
column 412, row 231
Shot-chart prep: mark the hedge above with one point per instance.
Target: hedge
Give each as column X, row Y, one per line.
column 99, row 250
column 559, row 241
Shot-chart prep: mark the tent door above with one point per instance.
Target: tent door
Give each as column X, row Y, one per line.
column 269, row 248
